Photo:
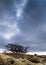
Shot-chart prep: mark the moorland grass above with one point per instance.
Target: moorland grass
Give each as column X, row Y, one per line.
column 21, row 59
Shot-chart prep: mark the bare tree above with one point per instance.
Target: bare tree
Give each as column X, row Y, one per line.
column 16, row 48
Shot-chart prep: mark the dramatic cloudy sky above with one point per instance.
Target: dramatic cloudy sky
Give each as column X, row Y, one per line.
column 23, row 21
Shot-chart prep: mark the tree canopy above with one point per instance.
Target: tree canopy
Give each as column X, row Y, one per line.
column 16, row 48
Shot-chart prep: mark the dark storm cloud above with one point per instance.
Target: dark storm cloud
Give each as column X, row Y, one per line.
column 34, row 16
column 5, row 5
column 34, row 11
column 8, row 7
column 26, row 16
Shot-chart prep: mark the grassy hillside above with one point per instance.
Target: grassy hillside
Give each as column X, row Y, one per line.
column 22, row 59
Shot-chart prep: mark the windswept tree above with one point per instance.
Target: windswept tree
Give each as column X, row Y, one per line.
column 16, row 48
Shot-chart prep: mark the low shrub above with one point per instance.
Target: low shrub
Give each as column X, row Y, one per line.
column 35, row 60
column 26, row 62
column 44, row 60
column 9, row 61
